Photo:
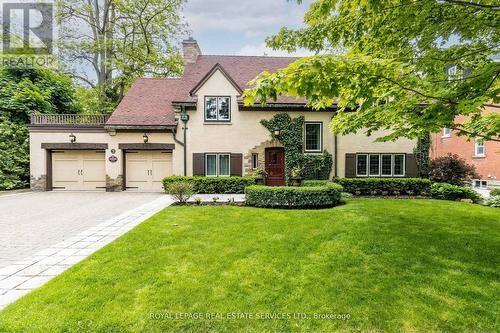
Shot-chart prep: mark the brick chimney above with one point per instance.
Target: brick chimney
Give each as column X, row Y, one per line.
column 191, row 50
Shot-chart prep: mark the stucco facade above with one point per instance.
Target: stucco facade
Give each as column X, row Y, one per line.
column 152, row 118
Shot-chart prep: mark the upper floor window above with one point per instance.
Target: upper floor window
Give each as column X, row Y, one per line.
column 446, row 132
column 217, row 108
column 313, row 137
column 479, row 148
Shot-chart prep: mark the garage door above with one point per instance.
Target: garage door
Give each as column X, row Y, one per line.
column 78, row 170
column 145, row 170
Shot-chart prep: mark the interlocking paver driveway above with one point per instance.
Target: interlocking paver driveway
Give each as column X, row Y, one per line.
column 30, row 222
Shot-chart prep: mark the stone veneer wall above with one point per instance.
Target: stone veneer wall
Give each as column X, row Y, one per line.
column 261, row 150
column 38, row 184
column 114, row 184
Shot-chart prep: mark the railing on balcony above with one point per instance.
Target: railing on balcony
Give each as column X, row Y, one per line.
column 69, row 119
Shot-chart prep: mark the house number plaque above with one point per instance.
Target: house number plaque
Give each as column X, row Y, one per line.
column 113, row 158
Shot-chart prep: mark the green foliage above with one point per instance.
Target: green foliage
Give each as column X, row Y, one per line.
column 291, row 138
column 25, row 91
column 213, row 185
column 493, row 201
column 385, row 186
column 180, row 190
column 14, row 155
column 495, row 192
column 386, row 60
column 129, row 39
column 445, row 191
column 317, row 166
column 327, row 195
column 314, row 183
column 422, row 152
column 451, row 169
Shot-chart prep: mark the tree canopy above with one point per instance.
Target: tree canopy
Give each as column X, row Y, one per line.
column 388, row 61
column 117, row 41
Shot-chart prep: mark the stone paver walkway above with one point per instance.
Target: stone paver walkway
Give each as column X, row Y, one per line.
column 27, row 274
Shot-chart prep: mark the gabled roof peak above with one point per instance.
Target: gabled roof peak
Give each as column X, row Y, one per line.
column 215, row 68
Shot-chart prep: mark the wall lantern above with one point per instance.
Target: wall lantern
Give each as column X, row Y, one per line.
column 278, row 132
column 145, row 138
column 72, row 138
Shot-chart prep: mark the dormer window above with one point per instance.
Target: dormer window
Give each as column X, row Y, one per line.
column 218, row 108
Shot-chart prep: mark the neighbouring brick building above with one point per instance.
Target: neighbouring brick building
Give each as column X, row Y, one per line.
column 485, row 156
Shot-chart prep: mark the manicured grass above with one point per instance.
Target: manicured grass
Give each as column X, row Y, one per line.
column 392, row 265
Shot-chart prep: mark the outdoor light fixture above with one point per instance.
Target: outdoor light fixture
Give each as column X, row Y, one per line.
column 278, row 132
column 72, row 138
column 145, row 138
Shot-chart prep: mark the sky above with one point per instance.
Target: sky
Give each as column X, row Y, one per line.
column 240, row 27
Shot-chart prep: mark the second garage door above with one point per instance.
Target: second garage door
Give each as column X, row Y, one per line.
column 146, row 169
column 78, row 170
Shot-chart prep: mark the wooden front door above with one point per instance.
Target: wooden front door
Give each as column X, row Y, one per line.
column 275, row 166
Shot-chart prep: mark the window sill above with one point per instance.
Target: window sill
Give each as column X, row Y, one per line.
column 478, row 156
column 217, row 123
column 445, row 136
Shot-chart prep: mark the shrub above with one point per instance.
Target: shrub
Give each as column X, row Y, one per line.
column 495, row 192
column 444, row 191
column 180, row 190
column 294, row 197
column 451, row 169
column 214, row 185
column 316, row 182
column 493, row 201
column 385, row 186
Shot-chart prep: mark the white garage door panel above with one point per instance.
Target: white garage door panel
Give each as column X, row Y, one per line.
column 146, row 170
column 78, row 170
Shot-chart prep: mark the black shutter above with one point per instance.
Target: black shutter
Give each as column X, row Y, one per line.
column 236, row 164
column 198, row 164
column 411, row 166
column 350, row 165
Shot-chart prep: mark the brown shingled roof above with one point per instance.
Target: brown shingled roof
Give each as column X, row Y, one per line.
column 149, row 101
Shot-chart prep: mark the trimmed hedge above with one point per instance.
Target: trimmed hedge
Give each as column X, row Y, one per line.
column 495, row 192
column 316, row 182
column 445, row 191
column 213, row 185
column 385, row 186
column 325, row 196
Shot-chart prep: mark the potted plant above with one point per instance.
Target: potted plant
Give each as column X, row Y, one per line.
column 260, row 174
column 296, row 175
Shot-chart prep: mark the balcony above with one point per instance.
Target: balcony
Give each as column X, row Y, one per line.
column 69, row 120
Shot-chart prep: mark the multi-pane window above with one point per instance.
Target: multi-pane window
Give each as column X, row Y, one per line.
column 217, row 108
column 483, row 184
column 452, row 72
column 479, row 148
column 446, row 132
column 374, row 165
column 217, row 165
column 362, row 165
column 255, row 161
column 385, row 165
column 313, row 137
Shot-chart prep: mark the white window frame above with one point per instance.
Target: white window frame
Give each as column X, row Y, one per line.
column 370, row 164
column 367, row 165
column 255, row 161
column 477, row 144
column 394, row 165
column 446, row 132
column 217, row 110
column 217, row 164
column 481, row 182
column 206, row 165
column 228, row 165
column 320, row 150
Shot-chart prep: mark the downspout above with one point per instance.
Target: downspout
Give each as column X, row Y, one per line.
column 184, row 119
column 335, row 156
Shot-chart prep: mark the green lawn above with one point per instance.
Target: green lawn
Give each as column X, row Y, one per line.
column 391, row 265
